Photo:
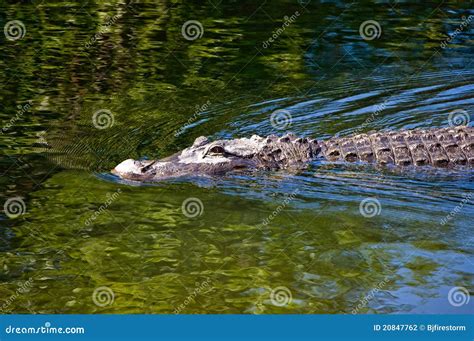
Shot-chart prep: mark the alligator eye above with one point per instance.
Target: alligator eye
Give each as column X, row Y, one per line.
column 216, row 150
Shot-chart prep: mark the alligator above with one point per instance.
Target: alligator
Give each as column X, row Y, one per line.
column 438, row 147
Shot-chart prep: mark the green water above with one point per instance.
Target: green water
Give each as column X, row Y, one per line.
column 261, row 243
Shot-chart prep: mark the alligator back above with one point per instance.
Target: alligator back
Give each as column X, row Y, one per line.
column 441, row 147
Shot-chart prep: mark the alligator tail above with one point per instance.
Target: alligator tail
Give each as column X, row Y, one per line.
column 441, row 147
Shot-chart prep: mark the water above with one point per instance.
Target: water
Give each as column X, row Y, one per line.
column 89, row 243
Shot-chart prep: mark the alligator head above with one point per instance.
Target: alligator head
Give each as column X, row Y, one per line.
column 207, row 157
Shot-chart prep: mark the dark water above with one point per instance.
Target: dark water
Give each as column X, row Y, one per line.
column 87, row 243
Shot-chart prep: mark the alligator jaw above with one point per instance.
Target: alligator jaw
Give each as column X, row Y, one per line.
column 165, row 169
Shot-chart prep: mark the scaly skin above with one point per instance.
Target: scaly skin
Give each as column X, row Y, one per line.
column 443, row 147
column 436, row 147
